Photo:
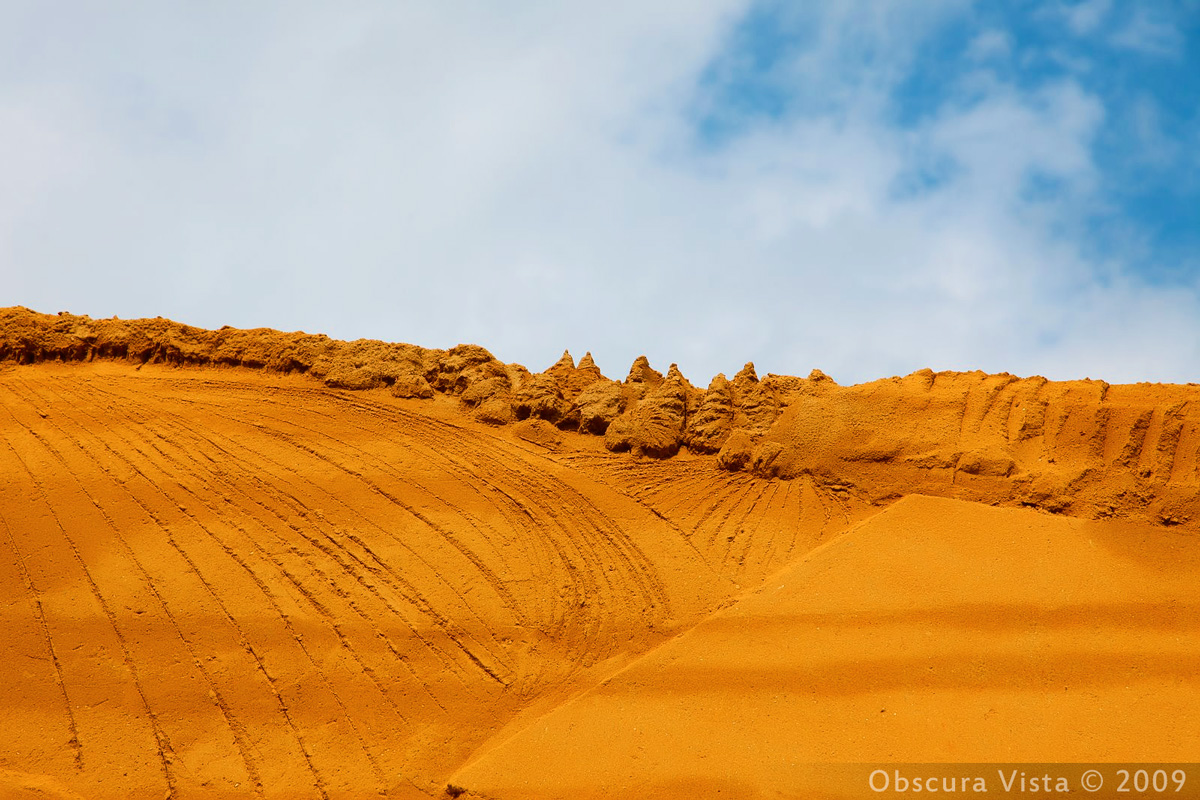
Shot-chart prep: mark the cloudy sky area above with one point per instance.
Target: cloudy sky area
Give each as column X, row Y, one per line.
column 865, row 187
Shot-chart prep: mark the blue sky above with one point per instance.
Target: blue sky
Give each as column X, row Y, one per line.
column 1141, row 62
column 869, row 188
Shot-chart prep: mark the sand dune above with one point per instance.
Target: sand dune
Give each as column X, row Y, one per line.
column 250, row 563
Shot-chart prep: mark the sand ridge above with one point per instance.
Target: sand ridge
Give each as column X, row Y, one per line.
column 252, row 563
column 1084, row 447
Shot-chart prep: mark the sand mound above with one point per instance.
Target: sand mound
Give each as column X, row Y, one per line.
column 937, row 630
column 252, row 563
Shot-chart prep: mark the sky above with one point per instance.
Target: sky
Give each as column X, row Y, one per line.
column 865, row 187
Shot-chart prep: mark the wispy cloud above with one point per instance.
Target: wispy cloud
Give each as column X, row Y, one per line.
column 990, row 44
column 1149, row 33
column 1085, row 17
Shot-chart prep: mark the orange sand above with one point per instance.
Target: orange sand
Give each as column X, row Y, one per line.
column 248, row 563
column 937, row 630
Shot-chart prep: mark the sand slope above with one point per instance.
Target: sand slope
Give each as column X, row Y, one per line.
column 230, row 581
column 251, row 563
column 937, row 630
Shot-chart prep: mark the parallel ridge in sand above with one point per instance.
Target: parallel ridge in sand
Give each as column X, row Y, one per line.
column 251, row 563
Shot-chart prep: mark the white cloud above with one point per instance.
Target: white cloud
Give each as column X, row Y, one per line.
column 1085, row 17
column 1007, row 137
column 1145, row 28
column 1153, row 145
column 531, row 180
column 990, row 44
column 1149, row 34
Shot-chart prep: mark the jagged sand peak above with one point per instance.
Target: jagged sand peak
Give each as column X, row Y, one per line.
column 747, row 373
column 641, row 372
column 817, row 376
column 564, row 362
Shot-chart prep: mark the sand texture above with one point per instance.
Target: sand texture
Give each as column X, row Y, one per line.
column 262, row 564
column 936, row 630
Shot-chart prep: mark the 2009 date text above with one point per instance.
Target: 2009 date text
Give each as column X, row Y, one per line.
column 1143, row 781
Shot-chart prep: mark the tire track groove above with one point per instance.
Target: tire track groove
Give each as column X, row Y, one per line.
column 237, row 730
column 40, row 613
column 182, row 468
column 162, row 744
column 410, row 596
column 242, row 637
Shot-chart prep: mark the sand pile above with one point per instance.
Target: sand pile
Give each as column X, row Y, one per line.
column 253, row 563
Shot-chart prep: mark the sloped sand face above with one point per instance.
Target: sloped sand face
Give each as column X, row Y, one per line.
column 937, row 630
column 260, row 564
column 225, row 583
